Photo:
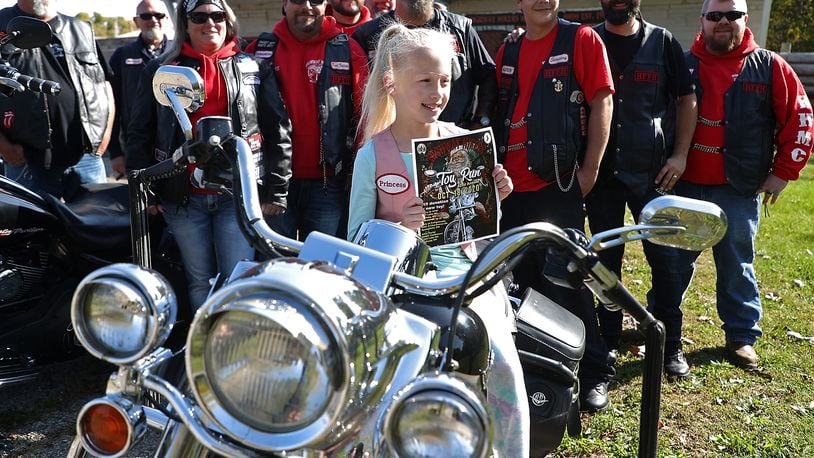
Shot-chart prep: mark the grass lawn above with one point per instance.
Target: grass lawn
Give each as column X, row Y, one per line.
column 722, row 410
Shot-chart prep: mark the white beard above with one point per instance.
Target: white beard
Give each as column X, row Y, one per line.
column 153, row 34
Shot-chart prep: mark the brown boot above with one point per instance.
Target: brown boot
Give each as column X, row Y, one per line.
column 742, row 355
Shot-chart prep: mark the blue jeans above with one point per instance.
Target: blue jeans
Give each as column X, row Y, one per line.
column 606, row 210
column 209, row 238
column 738, row 298
column 312, row 206
column 57, row 182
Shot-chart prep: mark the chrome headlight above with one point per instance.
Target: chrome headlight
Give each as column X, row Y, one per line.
column 266, row 366
column 438, row 415
column 122, row 312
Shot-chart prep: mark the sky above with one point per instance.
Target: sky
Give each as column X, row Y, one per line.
column 123, row 8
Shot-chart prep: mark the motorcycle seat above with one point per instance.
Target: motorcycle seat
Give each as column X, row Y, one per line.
column 97, row 218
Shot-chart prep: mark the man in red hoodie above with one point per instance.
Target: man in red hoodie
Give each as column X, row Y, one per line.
column 349, row 14
column 750, row 103
column 320, row 72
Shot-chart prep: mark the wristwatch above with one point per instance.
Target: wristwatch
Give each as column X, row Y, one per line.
column 485, row 121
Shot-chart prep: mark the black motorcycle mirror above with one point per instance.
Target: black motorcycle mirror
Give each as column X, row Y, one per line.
column 673, row 221
column 26, row 33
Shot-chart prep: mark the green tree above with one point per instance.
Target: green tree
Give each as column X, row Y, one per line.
column 791, row 22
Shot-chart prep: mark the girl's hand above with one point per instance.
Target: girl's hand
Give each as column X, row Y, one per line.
column 503, row 181
column 412, row 216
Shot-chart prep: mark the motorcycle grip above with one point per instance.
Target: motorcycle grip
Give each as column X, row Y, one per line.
column 39, row 85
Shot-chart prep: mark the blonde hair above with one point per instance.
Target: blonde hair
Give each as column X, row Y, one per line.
column 393, row 50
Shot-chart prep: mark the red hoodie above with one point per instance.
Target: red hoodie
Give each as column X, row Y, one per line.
column 298, row 65
column 789, row 101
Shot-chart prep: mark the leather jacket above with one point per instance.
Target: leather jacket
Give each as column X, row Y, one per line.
column 86, row 75
column 154, row 133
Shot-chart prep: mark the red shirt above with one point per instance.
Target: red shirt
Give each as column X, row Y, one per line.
column 592, row 72
column 791, row 107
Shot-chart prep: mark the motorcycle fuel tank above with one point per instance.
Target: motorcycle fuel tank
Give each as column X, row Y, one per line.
column 22, row 213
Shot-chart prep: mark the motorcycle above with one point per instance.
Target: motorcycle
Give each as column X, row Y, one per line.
column 46, row 245
column 346, row 349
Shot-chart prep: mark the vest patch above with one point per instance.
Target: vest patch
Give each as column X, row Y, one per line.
column 8, row 119
column 557, row 72
column 559, row 59
column 133, row 61
column 507, row 70
column 645, row 76
column 312, row 70
column 341, row 66
column 757, row 88
column 341, row 80
column 393, row 183
column 251, row 80
column 264, row 54
column 248, row 66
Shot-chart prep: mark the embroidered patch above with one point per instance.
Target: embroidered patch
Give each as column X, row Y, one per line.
column 507, row 70
column 341, row 80
column 133, row 61
column 263, row 54
column 645, row 76
column 8, row 119
column 159, row 155
column 342, row 66
column 255, row 141
column 577, row 97
column 756, row 88
column 557, row 72
column 393, row 183
column 251, row 80
column 312, row 70
column 248, row 66
column 559, row 59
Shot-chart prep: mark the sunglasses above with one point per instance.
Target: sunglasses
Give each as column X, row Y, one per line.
column 731, row 16
column 200, row 17
column 148, row 16
column 312, row 2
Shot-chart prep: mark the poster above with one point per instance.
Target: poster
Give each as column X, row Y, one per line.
column 453, row 177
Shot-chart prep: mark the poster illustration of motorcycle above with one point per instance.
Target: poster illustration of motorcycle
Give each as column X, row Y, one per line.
column 454, row 179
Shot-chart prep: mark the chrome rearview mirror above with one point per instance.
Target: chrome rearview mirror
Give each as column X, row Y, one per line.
column 182, row 89
column 673, row 221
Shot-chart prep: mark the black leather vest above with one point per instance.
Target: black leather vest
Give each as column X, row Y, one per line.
column 85, row 71
column 749, row 121
column 643, row 115
column 334, row 99
column 557, row 114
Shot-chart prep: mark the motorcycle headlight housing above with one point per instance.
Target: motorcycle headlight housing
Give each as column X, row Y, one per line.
column 438, row 415
column 265, row 365
column 122, row 312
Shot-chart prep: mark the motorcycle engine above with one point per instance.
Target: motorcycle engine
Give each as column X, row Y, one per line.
column 21, row 272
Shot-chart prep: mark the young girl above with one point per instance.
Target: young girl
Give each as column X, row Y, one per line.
column 406, row 92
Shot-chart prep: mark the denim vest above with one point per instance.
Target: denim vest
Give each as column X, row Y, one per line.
column 557, row 114
column 643, row 115
column 749, row 121
column 334, row 99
